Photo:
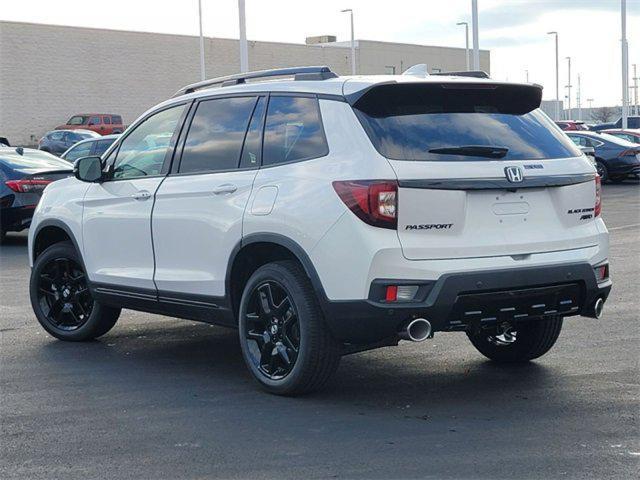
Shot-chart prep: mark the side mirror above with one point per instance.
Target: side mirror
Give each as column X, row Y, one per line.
column 88, row 169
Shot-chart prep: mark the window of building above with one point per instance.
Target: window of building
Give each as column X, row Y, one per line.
column 216, row 134
column 293, row 130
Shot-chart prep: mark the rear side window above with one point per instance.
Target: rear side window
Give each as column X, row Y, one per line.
column 293, row 130
column 215, row 137
column 106, row 120
column 437, row 122
column 117, row 119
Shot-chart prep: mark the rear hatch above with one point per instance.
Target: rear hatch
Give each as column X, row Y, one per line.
column 481, row 171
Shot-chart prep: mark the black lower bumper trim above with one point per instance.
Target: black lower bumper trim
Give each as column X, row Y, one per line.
column 463, row 301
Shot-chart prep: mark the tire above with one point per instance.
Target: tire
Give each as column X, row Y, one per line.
column 56, row 273
column 533, row 339
column 298, row 323
column 602, row 171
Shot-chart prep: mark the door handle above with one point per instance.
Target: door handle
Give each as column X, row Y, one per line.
column 224, row 188
column 141, row 195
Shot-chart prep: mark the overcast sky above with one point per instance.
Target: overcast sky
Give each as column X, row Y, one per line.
column 514, row 30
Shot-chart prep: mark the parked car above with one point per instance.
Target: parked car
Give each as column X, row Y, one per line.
column 91, row 146
column 616, row 159
column 59, row 141
column 323, row 216
column 629, row 135
column 102, row 123
column 572, row 125
column 632, row 122
column 24, row 173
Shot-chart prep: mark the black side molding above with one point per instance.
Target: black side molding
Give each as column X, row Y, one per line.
column 538, row 181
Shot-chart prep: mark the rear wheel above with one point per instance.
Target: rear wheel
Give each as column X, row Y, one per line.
column 528, row 341
column 61, row 299
column 602, row 171
column 285, row 342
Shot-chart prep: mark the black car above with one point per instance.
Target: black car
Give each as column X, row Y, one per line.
column 632, row 122
column 59, row 141
column 616, row 159
column 24, row 174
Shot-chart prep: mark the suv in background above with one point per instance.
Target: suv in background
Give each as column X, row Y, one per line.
column 324, row 215
column 102, row 123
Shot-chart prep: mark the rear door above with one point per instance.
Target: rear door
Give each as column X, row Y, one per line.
column 481, row 172
column 197, row 218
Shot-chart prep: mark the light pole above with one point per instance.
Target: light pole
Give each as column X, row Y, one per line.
column 466, row 41
column 590, row 102
column 625, row 63
column 526, row 75
column 203, row 75
column 557, row 77
column 476, row 41
column 244, row 49
column 569, row 88
column 635, row 89
column 578, row 100
column 353, row 42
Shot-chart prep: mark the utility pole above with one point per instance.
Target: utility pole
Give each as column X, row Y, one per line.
column 569, row 89
column 557, row 77
column 203, row 74
column 244, row 48
column 476, row 40
column 526, row 75
column 353, row 43
column 466, row 41
column 590, row 102
column 635, row 89
column 578, row 100
column 625, row 63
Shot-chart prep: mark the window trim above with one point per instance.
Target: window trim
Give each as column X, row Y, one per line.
column 175, row 167
column 168, row 158
column 324, row 135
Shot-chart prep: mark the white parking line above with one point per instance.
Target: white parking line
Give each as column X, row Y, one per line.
column 625, row 226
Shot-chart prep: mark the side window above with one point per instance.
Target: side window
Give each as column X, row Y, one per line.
column 252, row 150
column 293, row 130
column 142, row 153
column 94, row 121
column 56, row 136
column 81, row 150
column 117, row 119
column 578, row 140
column 106, row 120
column 215, row 137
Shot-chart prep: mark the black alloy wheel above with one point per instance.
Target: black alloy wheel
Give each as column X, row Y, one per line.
column 63, row 294
column 273, row 331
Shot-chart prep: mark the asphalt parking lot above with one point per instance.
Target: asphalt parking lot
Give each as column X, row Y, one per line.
column 160, row 398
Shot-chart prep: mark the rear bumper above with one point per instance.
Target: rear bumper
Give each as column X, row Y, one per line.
column 461, row 301
column 15, row 219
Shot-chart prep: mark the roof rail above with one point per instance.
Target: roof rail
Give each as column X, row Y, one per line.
column 299, row 73
column 469, row 73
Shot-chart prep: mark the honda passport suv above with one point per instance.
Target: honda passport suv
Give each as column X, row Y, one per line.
column 325, row 215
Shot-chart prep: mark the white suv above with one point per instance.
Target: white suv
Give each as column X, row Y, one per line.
column 325, row 215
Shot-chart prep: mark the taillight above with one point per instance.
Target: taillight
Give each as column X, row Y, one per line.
column 598, row 206
column 630, row 152
column 27, row 186
column 373, row 201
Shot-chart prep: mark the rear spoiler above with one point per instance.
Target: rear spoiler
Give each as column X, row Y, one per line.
column 446, row 97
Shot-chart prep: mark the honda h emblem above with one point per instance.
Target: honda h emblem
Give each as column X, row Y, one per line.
column 514, row 174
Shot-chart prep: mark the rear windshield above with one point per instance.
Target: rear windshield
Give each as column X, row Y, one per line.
column 410, row 121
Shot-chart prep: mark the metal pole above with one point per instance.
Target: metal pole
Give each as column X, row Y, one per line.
column 244, row 49
column 557, row 77
column 569, row 114
column 635, row 88
column 526, row 75
column 203, row 74
column 590, row 102
column 625, row 63
column 466, row 41
column 579, row 100
column 353, row 42
column 476, row 41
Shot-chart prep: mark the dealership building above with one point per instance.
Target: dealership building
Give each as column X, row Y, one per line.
column 49, row 73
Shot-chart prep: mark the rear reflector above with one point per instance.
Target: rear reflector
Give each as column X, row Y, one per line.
column 375, row 202
column 602, row 272
column 400, row 293
column 392, row 293
column 27, row 186
column 598, row 206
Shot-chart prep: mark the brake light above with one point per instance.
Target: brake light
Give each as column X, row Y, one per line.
column 598, row 206
column 27, row 186
column 375, row 202
column 629, row 152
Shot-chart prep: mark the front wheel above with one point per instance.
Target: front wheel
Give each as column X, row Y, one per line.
column 527, row 341
column 284, row 339
column 61, row 299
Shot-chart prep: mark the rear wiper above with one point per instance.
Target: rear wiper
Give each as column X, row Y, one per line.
column 473, row 151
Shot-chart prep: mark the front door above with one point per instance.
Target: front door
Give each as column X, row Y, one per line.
column 118, row 250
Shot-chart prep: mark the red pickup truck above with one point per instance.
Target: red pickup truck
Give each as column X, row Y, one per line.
column 102, row 123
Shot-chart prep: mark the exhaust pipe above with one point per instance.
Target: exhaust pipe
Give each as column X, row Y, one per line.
column 416, row 330
column 598, row 307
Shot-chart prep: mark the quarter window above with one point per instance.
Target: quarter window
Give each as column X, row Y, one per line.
column 293, row 130
column 215, row 137
column 251, row 152
column 143, row 151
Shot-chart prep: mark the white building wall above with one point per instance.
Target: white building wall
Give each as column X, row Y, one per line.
column 49, row 73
